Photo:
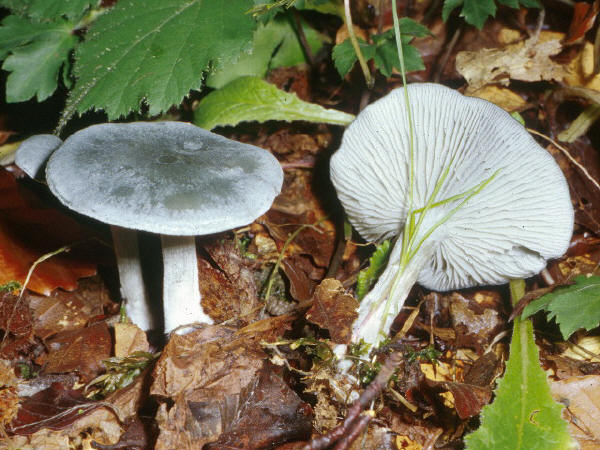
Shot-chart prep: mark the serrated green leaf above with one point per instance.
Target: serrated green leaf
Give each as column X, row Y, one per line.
column 43, row 10
column 344, row 56
column 52, row 9
column 369, row 275
column 383, row 50
column 39, row 79
column 573, row 307
column 37, row 53
column 523, row 416
column 386, row 54
column 476, row 12
column 155, row 51
column 449, row 6
column 253, row 99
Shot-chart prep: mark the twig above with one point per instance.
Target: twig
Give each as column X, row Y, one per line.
column 303, row 41
column 38, row 261
column 538, row 26
column 568, row 155
column 356, row 420
column 447, row 53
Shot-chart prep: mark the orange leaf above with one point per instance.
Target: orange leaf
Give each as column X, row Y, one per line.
column 27, row 232
column 584, row 15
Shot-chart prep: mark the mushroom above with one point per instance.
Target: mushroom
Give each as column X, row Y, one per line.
column 34, row 152
column 477, row 201
column 169, row 178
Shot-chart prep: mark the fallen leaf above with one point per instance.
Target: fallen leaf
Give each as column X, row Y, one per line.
column 269, row 413
column 81, row 350
column 227, row 283
column 334, row 310
column 28, row 231
column 66, row 311
column 15, row 316
column 475, row 325
column 503, row 97
column 584, row 16
column 581, row 396
column 9, row 399
column 529, row 60
column 206, row 365
column 129, row 338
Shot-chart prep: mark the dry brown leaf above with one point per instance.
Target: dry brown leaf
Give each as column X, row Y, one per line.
column 206, row 365
column 503, row 97
column 581, row 395
column 66, row 311
column 9, row 399
column 228, row 290
column 334, row 310
column 528, row 60
column 475, row 325
column 129, row 338
column 79, row 351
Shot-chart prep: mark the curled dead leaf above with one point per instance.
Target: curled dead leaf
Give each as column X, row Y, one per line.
column 334, row 310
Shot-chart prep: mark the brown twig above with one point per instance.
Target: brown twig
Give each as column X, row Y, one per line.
column 356, row 421
column 447, row 53
column 568, row 155
column 303, row 41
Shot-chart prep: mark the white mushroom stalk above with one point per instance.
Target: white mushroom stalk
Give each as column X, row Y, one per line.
column 470, row 196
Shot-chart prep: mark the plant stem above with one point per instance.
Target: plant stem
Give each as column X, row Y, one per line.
column 361, row 59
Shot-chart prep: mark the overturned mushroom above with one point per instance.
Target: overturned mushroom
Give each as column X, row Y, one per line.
column 169, row 178
column 477, row 200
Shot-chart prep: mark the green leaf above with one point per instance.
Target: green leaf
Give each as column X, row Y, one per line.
column 155, row 51
column 250, row 98
column 290, row 52
column 42, row 10
column 523, row 415
column 383, row 50
column 573, row 307
column 369, row 275
column 476, row 12
column 386, row 54
column 37, row 53
column 275, row 44
column 344, row 56
column 449, row 6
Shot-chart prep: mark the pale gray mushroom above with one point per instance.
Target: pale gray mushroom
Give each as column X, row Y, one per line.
column 34, row 152
column 499, row 205
column 169, row 178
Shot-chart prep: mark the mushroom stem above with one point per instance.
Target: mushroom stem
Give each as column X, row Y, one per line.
column 133, row 290
column 383, row 303
column 181, row 291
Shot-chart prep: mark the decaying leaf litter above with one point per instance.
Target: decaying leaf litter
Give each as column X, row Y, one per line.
column 74, row 375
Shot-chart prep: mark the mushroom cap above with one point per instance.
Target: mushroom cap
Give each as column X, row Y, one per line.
column 33, row 153
column 169, row 178
column 508, row 230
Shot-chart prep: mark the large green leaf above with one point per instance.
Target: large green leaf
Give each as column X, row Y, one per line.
column 574, row 307
column 252, row 99
column 275, row 44
column 523, row 416
column 37, row 51
column 43, row 10
column 155, row 51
